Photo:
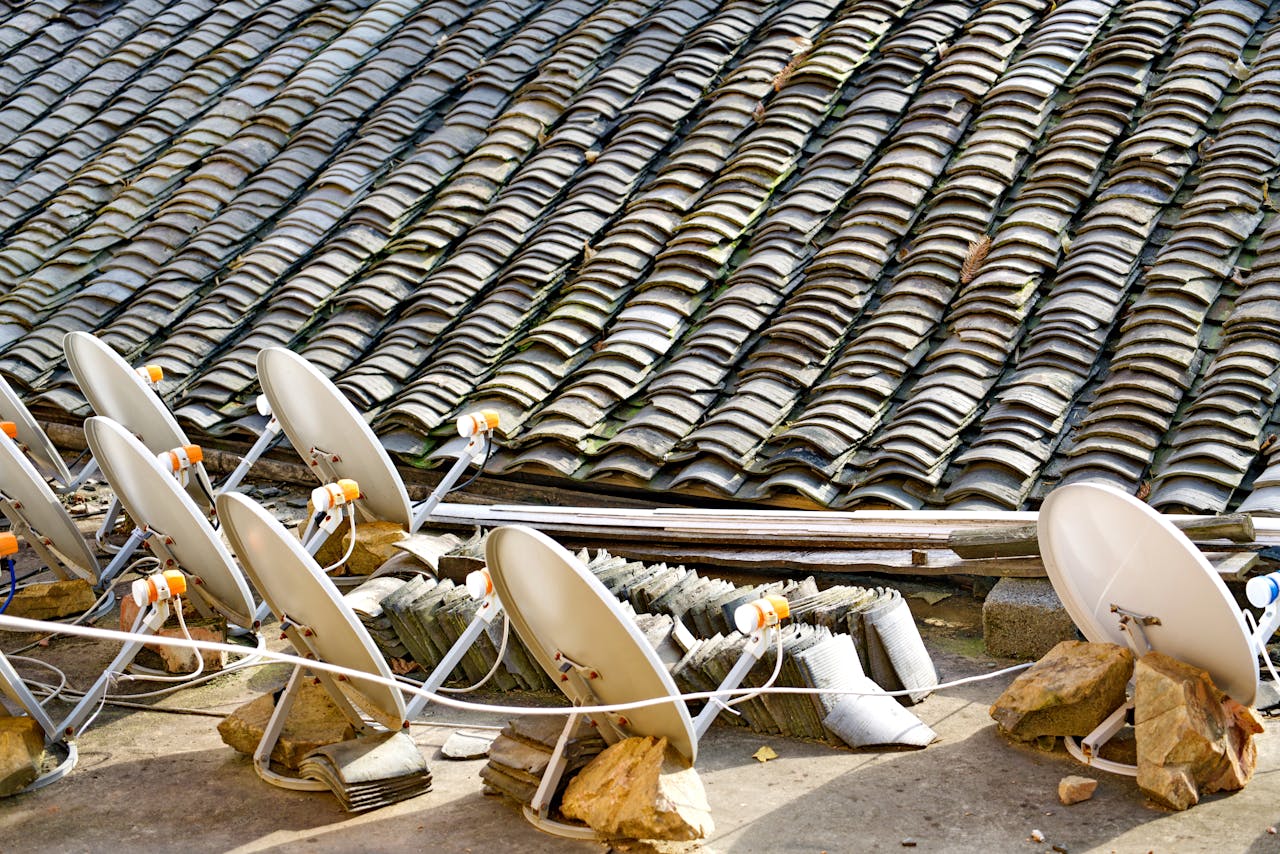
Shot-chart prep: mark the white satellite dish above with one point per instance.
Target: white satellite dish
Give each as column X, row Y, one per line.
column 31, row 437
column 566, row 617
column 37, row 516
column 591, row 648
column 332, row 437
column 1127, row 576
column 191, row 558
column 156, row 502
column 314, row 617
column 115, row 389
column 12, row 686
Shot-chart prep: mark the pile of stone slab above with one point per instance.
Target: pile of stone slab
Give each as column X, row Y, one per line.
column 370, row 772
column 427, row 616
column 839, row 638
column 520, row 754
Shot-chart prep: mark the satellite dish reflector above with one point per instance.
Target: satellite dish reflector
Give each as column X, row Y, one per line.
column 116, row 390
column 1105, row 550
column 330, row 434
column 571, row 622
column 154, row 499
column 298, row 592
column 31, row 436
column 32, row 503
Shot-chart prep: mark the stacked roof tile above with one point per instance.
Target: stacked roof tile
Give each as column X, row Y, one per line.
column 861, row 253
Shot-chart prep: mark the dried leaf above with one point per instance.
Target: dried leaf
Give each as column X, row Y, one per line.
column 1267, row 443
column 780, row 79
column 978, row 250
column 764, row 754
column 758, row 112
column 1144, row 490
column 401, row 666
column 587, row 252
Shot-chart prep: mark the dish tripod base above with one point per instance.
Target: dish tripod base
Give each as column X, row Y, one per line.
column 297, row 635
column 1088, row 749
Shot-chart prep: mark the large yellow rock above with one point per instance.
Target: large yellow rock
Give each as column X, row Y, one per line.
column 21, row 748
column 1192, row 738
column 1068, row 692
column 314, row 721
column 51, row 600
column 638, row 789
column 375, row 545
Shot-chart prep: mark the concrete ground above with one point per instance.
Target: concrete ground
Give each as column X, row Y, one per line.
column 165, row 782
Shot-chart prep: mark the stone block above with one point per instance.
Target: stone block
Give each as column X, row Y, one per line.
column 1024, row 618
column 52, row 600
column 1073, row 789
column 1068, row 692
column 21, row 749
column 467, row 745
column 1192, row 738
column 639, row 789
column 314, row 721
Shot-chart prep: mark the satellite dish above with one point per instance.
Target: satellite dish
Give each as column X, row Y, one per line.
column 31, row 503
column 1104, row 549
column 567, row 617
column 298, row 592
column 31, row 436
column 330, row 434
column 115, row 390
column 154, row 499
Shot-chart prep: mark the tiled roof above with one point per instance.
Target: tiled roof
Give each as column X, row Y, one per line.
column 941, row 253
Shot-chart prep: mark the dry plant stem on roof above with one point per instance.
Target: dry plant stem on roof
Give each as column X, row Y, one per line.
column 973, row 259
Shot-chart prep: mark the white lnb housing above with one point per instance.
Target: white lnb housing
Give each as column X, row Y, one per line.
column 473, row 423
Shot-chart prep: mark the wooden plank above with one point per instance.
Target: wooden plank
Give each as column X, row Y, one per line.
column 1022, row 541
column 995, row 542
column 888, row 561
column 1236, row 527
column 1236, row 566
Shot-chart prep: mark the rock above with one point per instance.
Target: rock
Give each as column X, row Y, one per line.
column 1073, row 790
column 50, row 600
column 1192, row 738
column 176, row 659
column 467, row 745
column 1024, row 618
column 314, row 721
column 21, row 748
column 375, row 545
column 638, row 789
column 1068, row 692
